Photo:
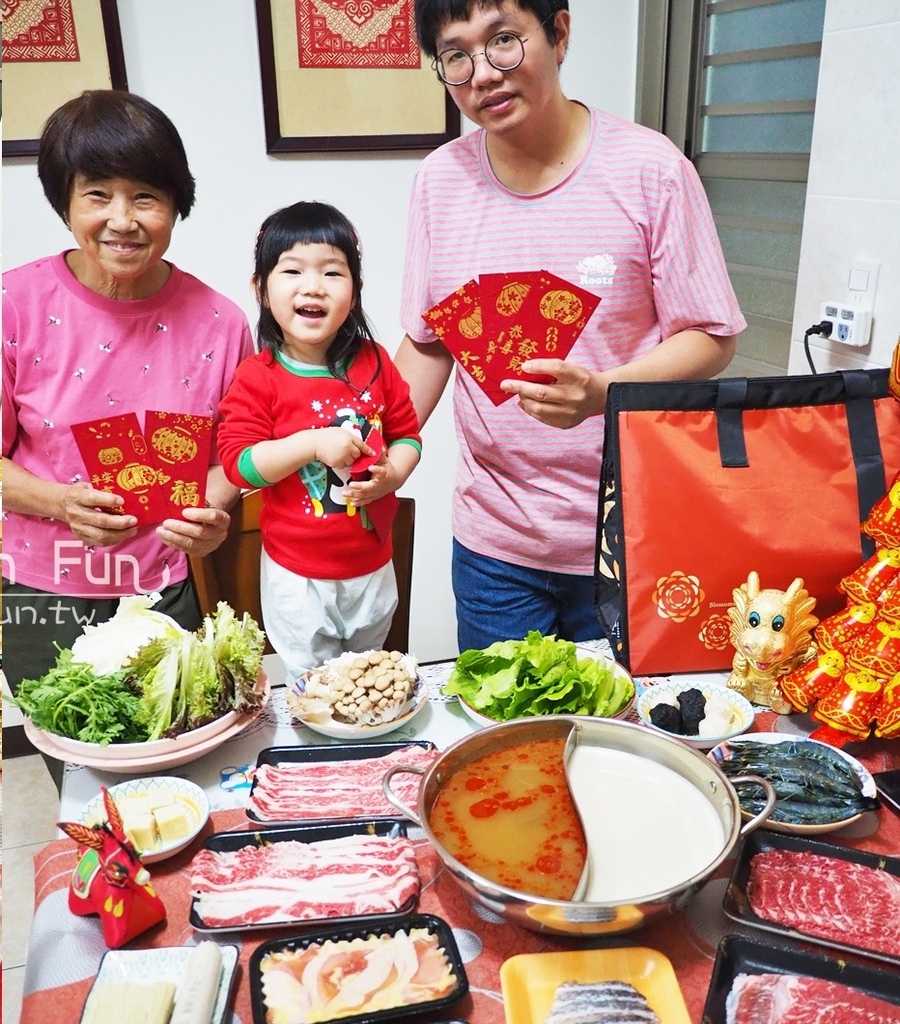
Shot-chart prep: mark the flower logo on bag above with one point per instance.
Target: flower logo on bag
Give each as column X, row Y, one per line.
column 715, row 633
column 678, row 596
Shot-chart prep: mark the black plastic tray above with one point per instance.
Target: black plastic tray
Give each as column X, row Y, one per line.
column 737, row 905
column 228, row 842
column 332, row 752
column 740, row 955
column 379, row 926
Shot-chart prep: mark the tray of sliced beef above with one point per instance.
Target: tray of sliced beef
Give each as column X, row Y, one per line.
column 818, row 891
column 338, row 873
column 305, row 785
column 764, row 983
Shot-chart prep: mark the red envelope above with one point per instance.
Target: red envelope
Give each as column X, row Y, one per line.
column 180, row 445
column 119, row 460
column 359, row 470
column 531, row 315
column 457, row 321
column 381, row 514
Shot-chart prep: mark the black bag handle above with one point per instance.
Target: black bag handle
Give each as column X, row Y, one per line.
column 731, row 398
column 865, row 445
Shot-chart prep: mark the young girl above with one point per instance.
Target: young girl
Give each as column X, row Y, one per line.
column 294, row 422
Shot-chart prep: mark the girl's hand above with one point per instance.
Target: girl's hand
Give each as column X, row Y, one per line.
column 339, row 448
column 92, row 517
column 201, row 531
column 383, row 479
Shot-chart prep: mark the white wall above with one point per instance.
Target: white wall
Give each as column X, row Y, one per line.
column 853, row 198
column 197, row 60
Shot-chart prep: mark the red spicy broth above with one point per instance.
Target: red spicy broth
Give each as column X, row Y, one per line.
column 509, row 817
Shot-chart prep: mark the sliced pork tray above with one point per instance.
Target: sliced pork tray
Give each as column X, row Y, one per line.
column 287, row 876
column 338, row 783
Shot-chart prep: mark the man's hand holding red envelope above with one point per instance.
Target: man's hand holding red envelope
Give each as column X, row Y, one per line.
column 512, row 333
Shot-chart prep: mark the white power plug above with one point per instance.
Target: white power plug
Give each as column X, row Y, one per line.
column 852, row 324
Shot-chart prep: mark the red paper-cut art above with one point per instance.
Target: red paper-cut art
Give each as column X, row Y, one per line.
column 356, row 34
column 40, row 31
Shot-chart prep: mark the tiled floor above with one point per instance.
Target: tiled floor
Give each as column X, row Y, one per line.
column 30, row 808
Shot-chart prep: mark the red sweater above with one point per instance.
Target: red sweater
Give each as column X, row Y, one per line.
column 306, row 525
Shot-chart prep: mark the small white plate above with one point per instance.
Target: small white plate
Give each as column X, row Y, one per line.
column 191, row 798
column 722, row 751
column 165, row 964
column 742, row 707
column 346, row 731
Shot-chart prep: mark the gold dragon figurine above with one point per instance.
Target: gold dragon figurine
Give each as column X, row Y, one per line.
column 770, row 631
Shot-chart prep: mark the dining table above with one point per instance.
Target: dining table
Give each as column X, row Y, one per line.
column 64, row 951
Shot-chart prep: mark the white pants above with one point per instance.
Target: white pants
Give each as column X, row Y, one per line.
column 309, row 621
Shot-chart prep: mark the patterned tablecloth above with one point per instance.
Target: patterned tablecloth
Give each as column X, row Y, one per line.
column 64, row 951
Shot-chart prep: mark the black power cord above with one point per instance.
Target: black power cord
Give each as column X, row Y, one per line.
column 824, row 329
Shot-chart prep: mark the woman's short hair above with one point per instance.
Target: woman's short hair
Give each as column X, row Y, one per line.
column 432, row 15
column 110, row 133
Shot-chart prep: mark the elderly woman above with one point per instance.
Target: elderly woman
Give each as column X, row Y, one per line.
column 105, row 328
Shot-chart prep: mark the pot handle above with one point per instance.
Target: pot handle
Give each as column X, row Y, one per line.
column 392, row 797
column 771, row 797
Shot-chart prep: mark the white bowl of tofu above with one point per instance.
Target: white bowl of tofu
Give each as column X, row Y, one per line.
column 160, row 815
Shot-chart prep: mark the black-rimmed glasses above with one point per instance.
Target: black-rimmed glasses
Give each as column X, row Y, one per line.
column 504, row 51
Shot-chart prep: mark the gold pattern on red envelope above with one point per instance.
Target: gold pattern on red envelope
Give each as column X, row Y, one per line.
column 532, row 315
column 457, row 321
column 118, row 460
column 180, row 443
column 495, row 324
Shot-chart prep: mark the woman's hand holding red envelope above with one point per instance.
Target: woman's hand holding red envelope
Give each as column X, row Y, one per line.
column 95, row 517
column 575, row 394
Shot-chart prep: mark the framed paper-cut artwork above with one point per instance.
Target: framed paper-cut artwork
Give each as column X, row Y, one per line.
column 345, row 75
column 54, row 50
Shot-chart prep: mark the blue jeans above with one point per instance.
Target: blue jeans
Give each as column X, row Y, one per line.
column 499, row 601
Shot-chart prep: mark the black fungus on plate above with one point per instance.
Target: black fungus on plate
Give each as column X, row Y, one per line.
column 666, row 716
column 692, row 704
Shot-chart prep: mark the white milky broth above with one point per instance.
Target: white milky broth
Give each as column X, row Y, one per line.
column 648, row 829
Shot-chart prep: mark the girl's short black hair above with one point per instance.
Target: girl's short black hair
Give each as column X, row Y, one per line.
column 311, row 223
column 432, row 15
column 111, row 133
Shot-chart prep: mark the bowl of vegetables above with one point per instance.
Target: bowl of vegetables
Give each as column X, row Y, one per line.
column 139, row 692
column 539, row 675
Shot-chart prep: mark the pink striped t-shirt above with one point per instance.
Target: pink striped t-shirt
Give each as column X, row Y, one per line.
column 632, row 224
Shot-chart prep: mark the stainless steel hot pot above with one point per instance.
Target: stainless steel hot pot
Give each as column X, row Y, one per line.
column 579, row 917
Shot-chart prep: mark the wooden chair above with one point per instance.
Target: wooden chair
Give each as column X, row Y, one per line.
column 231, row 572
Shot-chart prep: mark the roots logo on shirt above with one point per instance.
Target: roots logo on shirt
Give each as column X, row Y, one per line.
column 598, row 269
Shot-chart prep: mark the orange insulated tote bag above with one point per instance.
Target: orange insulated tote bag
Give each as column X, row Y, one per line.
column 704, row 481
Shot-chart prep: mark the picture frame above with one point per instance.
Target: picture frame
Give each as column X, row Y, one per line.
column 76, row 45
column 346, row 99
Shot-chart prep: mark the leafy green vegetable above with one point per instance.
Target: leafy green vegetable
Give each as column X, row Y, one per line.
column 162, row 684
column 109, row 645
column 156, row 670
column 70, row 700
column 238, row 647
column 537, row 676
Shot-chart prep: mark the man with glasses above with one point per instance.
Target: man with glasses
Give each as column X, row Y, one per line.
column 548, row 184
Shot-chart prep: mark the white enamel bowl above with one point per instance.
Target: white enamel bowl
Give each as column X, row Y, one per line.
column 191, row 798
column 742, row 708
column 351, row 732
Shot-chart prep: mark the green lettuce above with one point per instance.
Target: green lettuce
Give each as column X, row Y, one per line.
column 539, row 675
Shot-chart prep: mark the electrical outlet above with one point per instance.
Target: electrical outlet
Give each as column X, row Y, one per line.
column 851, row 325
